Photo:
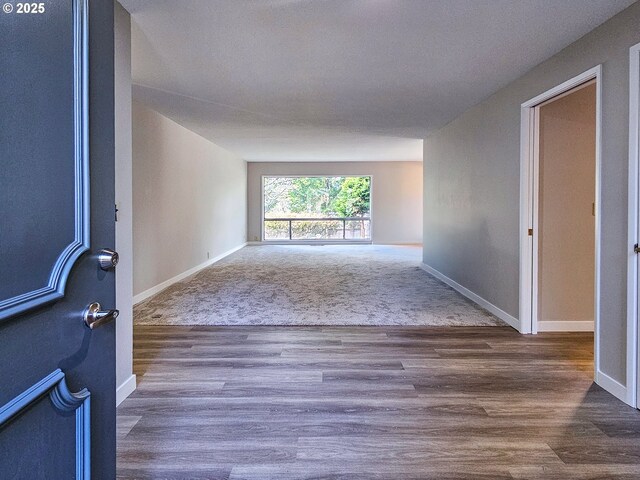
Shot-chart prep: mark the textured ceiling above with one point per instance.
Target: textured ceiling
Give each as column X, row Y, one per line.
column 301, row 80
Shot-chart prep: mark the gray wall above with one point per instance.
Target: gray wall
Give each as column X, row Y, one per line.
column 124, row 240
column 471, row 183
column 396, row 195
column 189, row 199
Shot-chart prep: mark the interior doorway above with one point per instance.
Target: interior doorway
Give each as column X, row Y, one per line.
column 564, row 217
column 559, row 208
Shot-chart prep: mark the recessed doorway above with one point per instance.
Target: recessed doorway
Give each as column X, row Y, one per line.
column 559, row 208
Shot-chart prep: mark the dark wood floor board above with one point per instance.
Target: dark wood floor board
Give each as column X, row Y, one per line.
column 236, row 374
column 215, row 342
column 357, row 354
column 253, row 329
column 620, row 427
column 560, row 379
column 327, row 391
column 496, row 363
column 576, row 472
column 412, row 345
column 293, row 335
column 322, row 470
column 281, row 363
column 401, row 403
column 200, row 389
column 597, row 450
column 533, row 352
column 159, row 473
column 209, row 352
column 485, row 333
column 124, row 424
column 409, row 450
column 289, row 426
column 212, row 454
column 300, row 409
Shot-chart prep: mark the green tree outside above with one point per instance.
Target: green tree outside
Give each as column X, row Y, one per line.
column 353, row 199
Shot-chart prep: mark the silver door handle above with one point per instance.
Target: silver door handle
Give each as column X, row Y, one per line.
column 94, row 317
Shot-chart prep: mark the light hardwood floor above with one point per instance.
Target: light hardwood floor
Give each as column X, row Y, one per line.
column 377, row 403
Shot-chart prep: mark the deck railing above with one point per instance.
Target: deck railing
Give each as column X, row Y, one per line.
column 325, row 228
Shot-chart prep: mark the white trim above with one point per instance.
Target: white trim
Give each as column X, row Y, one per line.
column 528, row 207
column 598, row 220
column 633, row 318
column 161, row 286
column 330, row 242
column 612, row 386
column 526, row 241
column 126, row 389
column 535, row 217
column 565, row 326
column 498, row 312
column 262, row 177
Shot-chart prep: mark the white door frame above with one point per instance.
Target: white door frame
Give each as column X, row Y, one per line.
column 633, row 319
column 529, row 207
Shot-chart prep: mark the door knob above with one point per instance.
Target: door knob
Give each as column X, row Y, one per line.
column 94, row 317
column 108, row 259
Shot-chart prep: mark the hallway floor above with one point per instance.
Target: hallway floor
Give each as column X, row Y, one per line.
column 313, row 285
column 377, row 403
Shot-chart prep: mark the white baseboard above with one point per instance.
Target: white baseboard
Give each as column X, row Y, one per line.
column 126, row 389
column 329, row 242
column 498, row 312
column 321, row 243
column 565, row 326
column 158, row 288
column 612, row 386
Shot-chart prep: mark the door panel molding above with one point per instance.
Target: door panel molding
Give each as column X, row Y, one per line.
column 64, row 401
column 67, row 258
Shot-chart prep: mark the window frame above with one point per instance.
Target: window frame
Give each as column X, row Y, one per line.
column 367, row 241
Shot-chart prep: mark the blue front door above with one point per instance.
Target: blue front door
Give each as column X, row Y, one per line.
column 57, row 375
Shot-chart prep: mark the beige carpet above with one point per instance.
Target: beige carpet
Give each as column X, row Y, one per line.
column 313, row 285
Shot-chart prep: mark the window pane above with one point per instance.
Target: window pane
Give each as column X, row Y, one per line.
column 319, row 208
column 276, row 230
column 358, row 229
column 317, row 230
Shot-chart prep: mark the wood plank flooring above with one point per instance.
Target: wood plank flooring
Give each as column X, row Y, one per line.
column 353, row 403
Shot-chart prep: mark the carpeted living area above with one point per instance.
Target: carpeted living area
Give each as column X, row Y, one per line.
column 313, row 285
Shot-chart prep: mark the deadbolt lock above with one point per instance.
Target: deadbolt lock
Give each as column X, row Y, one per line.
column 108, row 259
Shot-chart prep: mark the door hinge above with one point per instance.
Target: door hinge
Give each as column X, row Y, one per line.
column 116, row 212
column 636, row 248
column 531, row 232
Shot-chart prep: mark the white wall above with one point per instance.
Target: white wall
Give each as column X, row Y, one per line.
column 472, row 196
column 125, row 380
column 189, row 199
column 566, row 225
column 396, row 195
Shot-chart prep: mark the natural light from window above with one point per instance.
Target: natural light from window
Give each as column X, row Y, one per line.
column 319, row 208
